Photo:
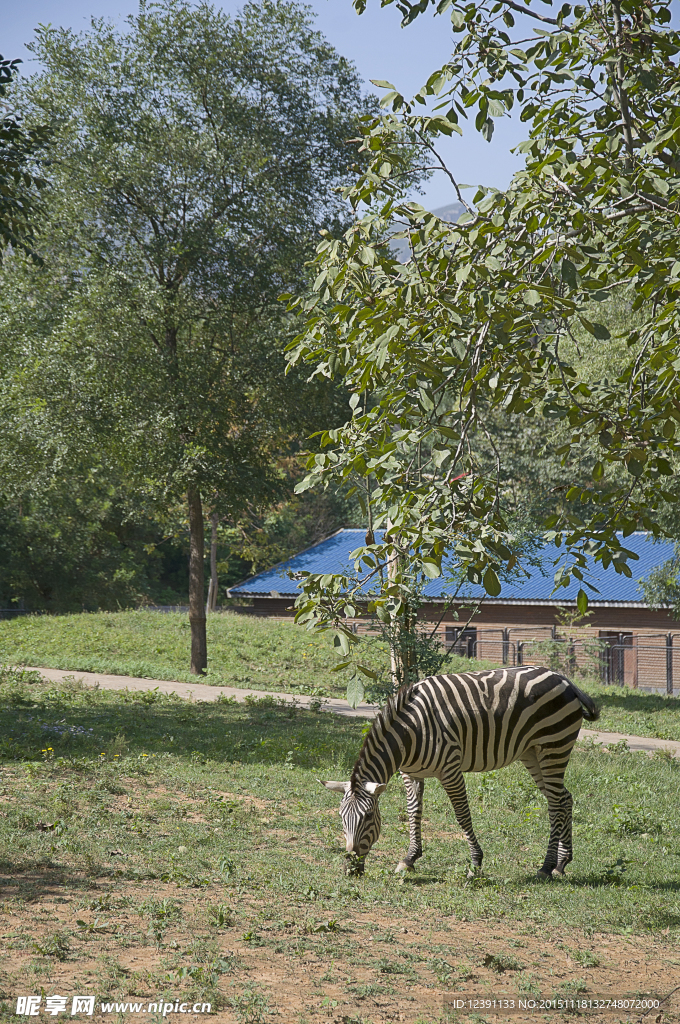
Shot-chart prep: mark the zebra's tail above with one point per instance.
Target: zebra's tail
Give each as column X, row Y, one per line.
column 591, row 712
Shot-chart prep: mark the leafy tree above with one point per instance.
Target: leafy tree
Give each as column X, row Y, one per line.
column 19, row 183
column 197, row 156
column 481, row 326
column 82, row 544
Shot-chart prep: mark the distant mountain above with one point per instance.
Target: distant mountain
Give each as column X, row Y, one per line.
column 451, row 212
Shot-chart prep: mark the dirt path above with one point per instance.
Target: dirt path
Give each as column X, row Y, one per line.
column 199, row 691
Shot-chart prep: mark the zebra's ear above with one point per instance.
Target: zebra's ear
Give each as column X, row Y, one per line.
column 375, row 788
column 337, row 787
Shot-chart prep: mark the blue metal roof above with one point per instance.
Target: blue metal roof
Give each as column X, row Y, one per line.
column 332, row 556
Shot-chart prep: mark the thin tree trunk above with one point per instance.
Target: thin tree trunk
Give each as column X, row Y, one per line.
column 400, row 648
column 211, row 605
column 199, row 647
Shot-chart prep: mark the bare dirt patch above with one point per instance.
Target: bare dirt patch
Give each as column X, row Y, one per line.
column 127, row 942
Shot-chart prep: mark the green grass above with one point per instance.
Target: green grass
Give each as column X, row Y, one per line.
column 258, row 654
column 231, row 799
column 630, row 711
column 243, row 651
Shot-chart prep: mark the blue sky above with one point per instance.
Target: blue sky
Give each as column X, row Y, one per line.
column 375, row 42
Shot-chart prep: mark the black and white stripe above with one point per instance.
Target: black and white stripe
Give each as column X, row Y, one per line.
column 444, row 726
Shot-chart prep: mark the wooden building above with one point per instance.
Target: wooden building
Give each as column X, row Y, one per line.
column 622, row 639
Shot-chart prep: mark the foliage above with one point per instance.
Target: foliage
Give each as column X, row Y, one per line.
column 261, row 538
column 196, row 157
column 20, row 184
column 77, row 544
column 662, row 586
column 183, row 199
column 483, row 326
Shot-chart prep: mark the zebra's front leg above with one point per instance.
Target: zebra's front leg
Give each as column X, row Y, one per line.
column 414, row 808
column 454, row 784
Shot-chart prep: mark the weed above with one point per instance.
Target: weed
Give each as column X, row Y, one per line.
column 620, row 747
column 207, row 974
column 390, row 967
column 251, row 1008
column 614, row 873
column 442, row 970
column 584, row 957
column 160, row 914
column 500, row 963
column 634, row 821
column 221, row 916
column 318, row 927
column 95, row 927
column 573, row 987
column 56, row 946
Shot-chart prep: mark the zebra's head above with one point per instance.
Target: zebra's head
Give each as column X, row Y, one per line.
column 360, row 816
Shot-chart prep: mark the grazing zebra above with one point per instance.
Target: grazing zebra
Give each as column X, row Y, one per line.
column 446, row 725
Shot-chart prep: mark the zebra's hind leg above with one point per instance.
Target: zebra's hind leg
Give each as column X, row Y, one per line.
column 564, row 846
column 454, row 785
column 547, row 769
column 414, row 808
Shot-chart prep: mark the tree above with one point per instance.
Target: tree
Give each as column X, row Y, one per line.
column 19, row 183
column 482, row 324
column 196, row 158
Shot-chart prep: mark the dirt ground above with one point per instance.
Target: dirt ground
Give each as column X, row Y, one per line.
column 281, row 964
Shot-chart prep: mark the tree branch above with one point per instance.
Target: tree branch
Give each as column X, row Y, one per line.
column 530, row 13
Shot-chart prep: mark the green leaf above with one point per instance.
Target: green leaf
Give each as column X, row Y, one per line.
column 491, row 583
column 582, row 601
column 440, row 455
column 341, row 643
column 431, row 568
column 367, row 671
column 355, row 691
column 568, row 273
column 487, row 129
column 598, row 331
column 598, row 471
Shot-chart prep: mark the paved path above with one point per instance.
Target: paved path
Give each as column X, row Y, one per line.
column 199, row 691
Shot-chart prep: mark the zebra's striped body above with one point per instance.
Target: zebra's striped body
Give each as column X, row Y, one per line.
column 444, row 726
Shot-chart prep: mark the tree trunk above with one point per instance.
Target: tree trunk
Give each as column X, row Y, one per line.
column 401, row 654
column 199, row 647
column 213, row 587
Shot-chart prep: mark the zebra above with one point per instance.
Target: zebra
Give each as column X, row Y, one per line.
column 446, row 725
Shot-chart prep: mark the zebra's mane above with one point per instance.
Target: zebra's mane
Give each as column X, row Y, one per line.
column 381, row 723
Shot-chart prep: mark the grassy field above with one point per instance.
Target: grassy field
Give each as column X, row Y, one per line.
column 257, row 654
column 151, row 848
column 243, row 651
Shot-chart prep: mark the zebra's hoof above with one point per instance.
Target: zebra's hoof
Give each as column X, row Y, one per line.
column 558, row 872
column 475, row 873
column 403, row 866
column 543, row 876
